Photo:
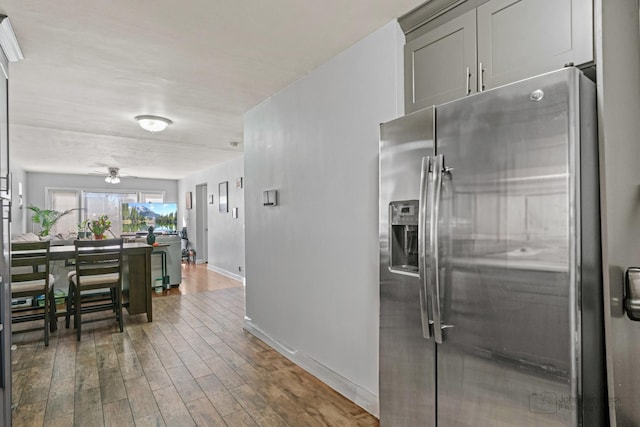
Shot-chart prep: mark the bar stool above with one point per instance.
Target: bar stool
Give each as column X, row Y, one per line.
column 98, row 266
column 30, row 278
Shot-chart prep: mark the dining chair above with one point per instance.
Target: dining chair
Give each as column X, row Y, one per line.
column 31, row 281
column 98, row 267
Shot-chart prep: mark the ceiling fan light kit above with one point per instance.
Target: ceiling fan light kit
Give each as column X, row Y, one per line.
column 114, row 176
column 153, row 123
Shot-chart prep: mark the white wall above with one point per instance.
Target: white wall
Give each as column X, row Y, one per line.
column 226, row 234
column 312, row 261
column 618, row 59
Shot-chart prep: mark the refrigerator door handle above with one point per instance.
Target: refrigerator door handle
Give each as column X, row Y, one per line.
column 438, row 171
column 422, row 223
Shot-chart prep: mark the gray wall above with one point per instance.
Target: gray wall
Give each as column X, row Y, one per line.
column 225, row 243
column 312, row 261
column 618, row 58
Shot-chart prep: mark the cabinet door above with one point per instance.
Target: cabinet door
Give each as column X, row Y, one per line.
column 440, row 65
column 524, row 38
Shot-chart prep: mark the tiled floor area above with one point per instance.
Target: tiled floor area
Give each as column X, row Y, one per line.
column 193, row 365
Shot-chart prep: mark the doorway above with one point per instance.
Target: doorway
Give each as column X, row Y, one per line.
column 202, row 224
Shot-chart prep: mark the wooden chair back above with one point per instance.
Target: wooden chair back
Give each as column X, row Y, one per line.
column 29, row 265
column 98, row 262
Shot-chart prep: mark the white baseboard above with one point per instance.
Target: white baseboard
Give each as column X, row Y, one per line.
column 225, row 273
column 342, row 385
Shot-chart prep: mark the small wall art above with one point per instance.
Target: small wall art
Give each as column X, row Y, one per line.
column 223, row 188
column 189, row 200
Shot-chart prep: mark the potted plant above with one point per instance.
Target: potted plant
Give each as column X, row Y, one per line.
column 47, row 218
column 99, row 226
column 82, row 229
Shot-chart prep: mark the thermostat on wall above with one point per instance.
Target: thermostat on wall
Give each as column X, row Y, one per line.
column 270, row 197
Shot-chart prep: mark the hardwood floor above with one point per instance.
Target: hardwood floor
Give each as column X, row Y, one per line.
column 193, row 365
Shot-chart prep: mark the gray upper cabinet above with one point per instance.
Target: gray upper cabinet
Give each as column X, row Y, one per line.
column 440, row 65
column 499, row 42
column 523, row 38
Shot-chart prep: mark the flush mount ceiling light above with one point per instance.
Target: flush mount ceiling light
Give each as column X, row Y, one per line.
column 114, row 176
column 153, row 123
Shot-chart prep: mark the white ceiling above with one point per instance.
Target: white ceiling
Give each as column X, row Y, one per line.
column 91, row 66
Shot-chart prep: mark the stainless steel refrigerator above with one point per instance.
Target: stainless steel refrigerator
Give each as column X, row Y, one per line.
column 490, row 269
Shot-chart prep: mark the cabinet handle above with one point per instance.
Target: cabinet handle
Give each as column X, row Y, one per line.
column 480, row 77
column 468, row 81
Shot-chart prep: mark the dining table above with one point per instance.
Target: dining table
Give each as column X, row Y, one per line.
column 136, row 278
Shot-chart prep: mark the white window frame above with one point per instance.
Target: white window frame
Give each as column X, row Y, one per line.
column 82, row 214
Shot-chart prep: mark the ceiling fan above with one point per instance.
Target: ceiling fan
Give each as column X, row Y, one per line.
column 112, row 176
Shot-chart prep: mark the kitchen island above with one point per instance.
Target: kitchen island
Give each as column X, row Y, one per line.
column 136, row 275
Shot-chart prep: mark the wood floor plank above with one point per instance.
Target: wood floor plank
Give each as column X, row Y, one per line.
column 196, row 366
column 224, row 372
column 60, row 405
column 157, row 378
column 29, row 414
column 36, row 387
column 88, row 409
column 118, row 414
column 204, row 414
column 201, row 348
column 185, row 384
column 130, row 366
column 106, row 357
column 149, row 360
column 257, row 407
column 87, row 374
column 65, row 421
column 239, row 419
column 64, row 366
column 18, row 381
column 140, row 397
column 153, row 420
column 62, row 387
column 173, row 410
column 224, row 402
column 112, row 387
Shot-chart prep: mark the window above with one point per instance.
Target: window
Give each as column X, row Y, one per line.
column 61, row 200
column 97, row 204
column 151, row 198
column 93, row 204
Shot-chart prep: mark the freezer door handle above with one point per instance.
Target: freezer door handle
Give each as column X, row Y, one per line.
column 438, row 170
column 422, row 229
column 436, row 185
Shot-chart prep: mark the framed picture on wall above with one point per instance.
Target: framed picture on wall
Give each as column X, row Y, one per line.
column 189, row 200
column 223, row 188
